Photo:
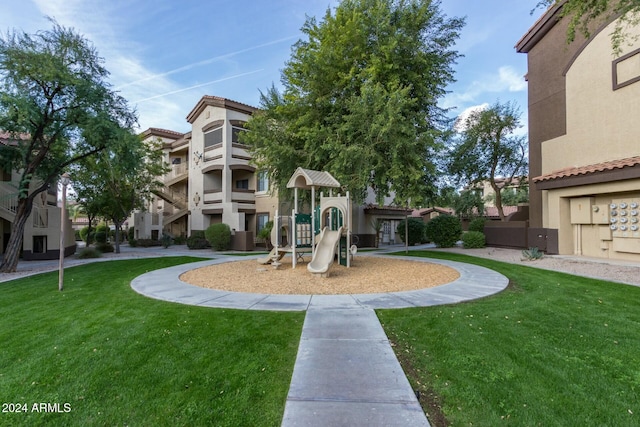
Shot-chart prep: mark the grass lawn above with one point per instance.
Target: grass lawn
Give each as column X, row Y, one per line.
column 118, row 358
column 552, row 350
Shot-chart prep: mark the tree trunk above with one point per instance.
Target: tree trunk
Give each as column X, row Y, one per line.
column 91, row 218
column 12, row 253
column 498, row 200
column 118, row 225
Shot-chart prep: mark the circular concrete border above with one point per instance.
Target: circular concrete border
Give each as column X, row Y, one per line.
column 474, row 282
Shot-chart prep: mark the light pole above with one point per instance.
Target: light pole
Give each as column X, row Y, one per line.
column 64, row 181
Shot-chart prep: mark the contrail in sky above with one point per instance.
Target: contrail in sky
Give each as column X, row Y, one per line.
column 196, row 86
column 204, row 62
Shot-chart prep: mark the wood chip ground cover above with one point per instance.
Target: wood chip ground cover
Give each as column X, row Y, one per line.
column 366, row 275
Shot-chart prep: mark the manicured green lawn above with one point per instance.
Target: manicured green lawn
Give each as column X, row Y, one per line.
column 118, row 358
column 552, row 350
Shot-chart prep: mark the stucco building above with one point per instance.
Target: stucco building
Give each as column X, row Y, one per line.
column 213, row 181
column 41, row 236
column 583, row 140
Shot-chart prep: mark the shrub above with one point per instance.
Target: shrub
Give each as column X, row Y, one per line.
column 90, row 252
column 477, row 224
column 444, row 230
column 197, row 240
column 219, row 236
column 100, row 237
column 83, row 235
column 131, row 233
column 133, row 243
column 180, row 240
column 104, row 247
column 532, row 254
column 146, row 243
column 166, row 240
column 473, row 240
column 265, row 232
column 416, row 230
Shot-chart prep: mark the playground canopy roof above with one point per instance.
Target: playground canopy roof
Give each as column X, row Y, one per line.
column 307, row 178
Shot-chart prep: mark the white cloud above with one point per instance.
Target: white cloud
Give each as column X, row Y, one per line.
column 461, row 122
column 504, row 80
column 511, row 79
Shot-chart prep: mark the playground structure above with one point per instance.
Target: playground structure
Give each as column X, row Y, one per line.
column 321, row 233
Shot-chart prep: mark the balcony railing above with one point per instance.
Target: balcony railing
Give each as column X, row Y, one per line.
column 212, row 196
column 8, row 197
column 176, row 174
column 244, row 196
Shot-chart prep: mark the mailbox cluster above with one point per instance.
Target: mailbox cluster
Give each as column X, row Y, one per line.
column 624, row 218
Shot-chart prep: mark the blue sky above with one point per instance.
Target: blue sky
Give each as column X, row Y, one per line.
column 164, row 55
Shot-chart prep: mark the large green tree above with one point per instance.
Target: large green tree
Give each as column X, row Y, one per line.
column 120, row 179
column 360, row 99
column 56, row 103
column 487, row 148
column 582, row 14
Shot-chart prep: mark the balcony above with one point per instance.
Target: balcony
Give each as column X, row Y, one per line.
column 212, row 196
column 239, row 151
column 213, row 153
column 243, row 196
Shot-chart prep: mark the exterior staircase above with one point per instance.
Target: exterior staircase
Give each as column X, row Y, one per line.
column 174, row 216
column 175, row 198
column 8, row 201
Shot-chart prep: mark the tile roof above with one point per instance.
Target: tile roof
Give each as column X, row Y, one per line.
column 163, row 132
column 217, row 101
column 417, row 213
column 589, row 169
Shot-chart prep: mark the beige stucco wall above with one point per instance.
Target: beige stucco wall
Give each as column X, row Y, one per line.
column 602, row 124
column 230, row 216
column 592, row 239
column 52, row 232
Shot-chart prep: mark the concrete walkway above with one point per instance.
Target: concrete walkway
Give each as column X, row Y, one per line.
column 346, row 373
column 474, row 282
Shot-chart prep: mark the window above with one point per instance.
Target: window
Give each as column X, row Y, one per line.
column 235, row 135
column 242, row 184
column 263, row 181
column 213, row 137
column 39, row 244
column 262, row 219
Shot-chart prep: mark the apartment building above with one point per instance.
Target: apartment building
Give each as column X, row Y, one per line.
column 41, row 237
column 211, row 179
column 583, row 140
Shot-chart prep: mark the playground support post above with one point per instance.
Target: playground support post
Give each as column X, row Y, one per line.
column 294, row 234
column 313, row 220
column 276, row 223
